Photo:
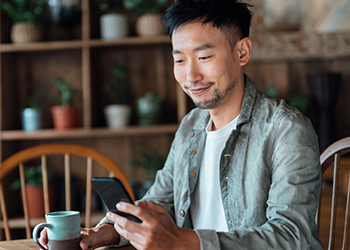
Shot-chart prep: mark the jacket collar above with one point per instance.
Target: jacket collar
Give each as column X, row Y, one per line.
column 248, row 103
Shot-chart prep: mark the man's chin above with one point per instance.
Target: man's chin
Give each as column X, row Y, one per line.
column 206, row 104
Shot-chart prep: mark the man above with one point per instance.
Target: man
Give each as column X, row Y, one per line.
column 243, row 170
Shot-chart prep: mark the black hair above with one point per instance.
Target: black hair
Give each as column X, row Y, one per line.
column 230, row 16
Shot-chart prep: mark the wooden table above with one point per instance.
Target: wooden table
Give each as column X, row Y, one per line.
column 30, row 244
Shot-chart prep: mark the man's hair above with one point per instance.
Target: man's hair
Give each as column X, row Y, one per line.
column 231, row 17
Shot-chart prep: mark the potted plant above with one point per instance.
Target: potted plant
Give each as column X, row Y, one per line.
column 147, row 24
column 118, row 89
column 150, row 108
column 34, row 190
column 25, row 16
column 113, row 23
column 64, row 115
column 31, row 115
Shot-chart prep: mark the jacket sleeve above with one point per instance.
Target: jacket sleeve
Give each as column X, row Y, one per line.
column 161, row 191
column 292, row 198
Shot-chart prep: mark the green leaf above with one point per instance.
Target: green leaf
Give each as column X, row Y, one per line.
column 33, row 176
column 272, row 91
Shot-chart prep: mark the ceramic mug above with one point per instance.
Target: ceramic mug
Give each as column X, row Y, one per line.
column 63, row 230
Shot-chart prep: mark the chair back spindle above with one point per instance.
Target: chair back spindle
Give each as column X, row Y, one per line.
column 24, row 199
column 331, row 157
column 67, row 150
column 45, row 184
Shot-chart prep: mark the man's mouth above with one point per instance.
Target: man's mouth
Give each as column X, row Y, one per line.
column 197, row 90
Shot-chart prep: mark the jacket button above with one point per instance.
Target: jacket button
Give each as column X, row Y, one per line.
column 193, row 174
column 194, row 152
column 192, row 135
column 182, row 213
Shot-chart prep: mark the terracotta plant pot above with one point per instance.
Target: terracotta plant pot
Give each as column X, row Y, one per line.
column 25, row 33
column 149, row 25
column 64, row 117
column 35, row 198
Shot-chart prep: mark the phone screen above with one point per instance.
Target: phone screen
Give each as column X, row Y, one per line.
column 112, row 191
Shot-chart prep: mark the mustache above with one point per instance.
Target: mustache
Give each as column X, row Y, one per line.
column 199, row 85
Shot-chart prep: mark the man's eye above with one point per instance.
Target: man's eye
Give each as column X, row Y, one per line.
column 178, row 61
column 204, row 57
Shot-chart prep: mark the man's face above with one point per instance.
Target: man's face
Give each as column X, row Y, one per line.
column 205, row 65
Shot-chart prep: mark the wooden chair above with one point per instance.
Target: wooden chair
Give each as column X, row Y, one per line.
column 66, row 150
column 331, row 157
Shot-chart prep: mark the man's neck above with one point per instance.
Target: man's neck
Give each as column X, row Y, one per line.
column 228, row 111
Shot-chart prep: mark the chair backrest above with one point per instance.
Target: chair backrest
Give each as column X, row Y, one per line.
column 66, row 150
column 331, row 157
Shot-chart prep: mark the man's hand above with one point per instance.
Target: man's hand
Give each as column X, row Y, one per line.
column 91, row 238
column 157, row 230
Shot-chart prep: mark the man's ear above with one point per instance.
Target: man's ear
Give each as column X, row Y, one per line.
column 245, row 50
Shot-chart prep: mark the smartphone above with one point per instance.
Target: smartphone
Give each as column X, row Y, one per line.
column 112, row 191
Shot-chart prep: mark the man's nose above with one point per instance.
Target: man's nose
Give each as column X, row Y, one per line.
column 193, row 73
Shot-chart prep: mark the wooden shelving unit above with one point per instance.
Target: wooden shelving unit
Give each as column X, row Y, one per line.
column 86, row 62
column 85, row 48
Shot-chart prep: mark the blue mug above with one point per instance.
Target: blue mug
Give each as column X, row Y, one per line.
column 63, row 230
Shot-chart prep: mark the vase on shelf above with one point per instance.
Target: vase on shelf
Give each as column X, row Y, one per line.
column 66, row 13
column 117, row 115
column 31, row 119
column 64, row 117
column 114, row 26
column 150, row 109
column 149, row 25
column 25, row 33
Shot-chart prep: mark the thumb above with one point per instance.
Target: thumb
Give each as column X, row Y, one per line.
column 84, row 244
column 151, row 206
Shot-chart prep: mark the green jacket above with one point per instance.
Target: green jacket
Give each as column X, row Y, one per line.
column 270, row 177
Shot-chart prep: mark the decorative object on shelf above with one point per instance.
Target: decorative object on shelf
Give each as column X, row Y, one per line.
column 300, row 101
column 150, row 109
column 34, row 190
column 113, row 24
column 118, row 89
column 26, row 17
column 150, row 161
column 324, row 89
column 281, row 15
column 31, row 115
column 147, row 24
column 64, row 115
column 66, row 13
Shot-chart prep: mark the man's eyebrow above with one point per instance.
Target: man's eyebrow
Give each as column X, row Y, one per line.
column 198, row 48
column 203, row 47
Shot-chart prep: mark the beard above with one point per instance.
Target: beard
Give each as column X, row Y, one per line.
column 217, row 97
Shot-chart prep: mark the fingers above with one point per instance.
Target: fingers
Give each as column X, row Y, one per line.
column 43, row 238
column 83, row 244
column 151, row 206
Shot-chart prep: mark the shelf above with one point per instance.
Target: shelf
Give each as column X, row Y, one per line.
column 61, row 45
column 266, row 46
column 11, row 135
column 129, row 41
column 40, row 46
column 300, row 46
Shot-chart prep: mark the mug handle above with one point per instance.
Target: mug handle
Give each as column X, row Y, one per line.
column 36, row 232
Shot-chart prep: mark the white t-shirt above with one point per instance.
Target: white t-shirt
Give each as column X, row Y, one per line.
column 206, row 209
